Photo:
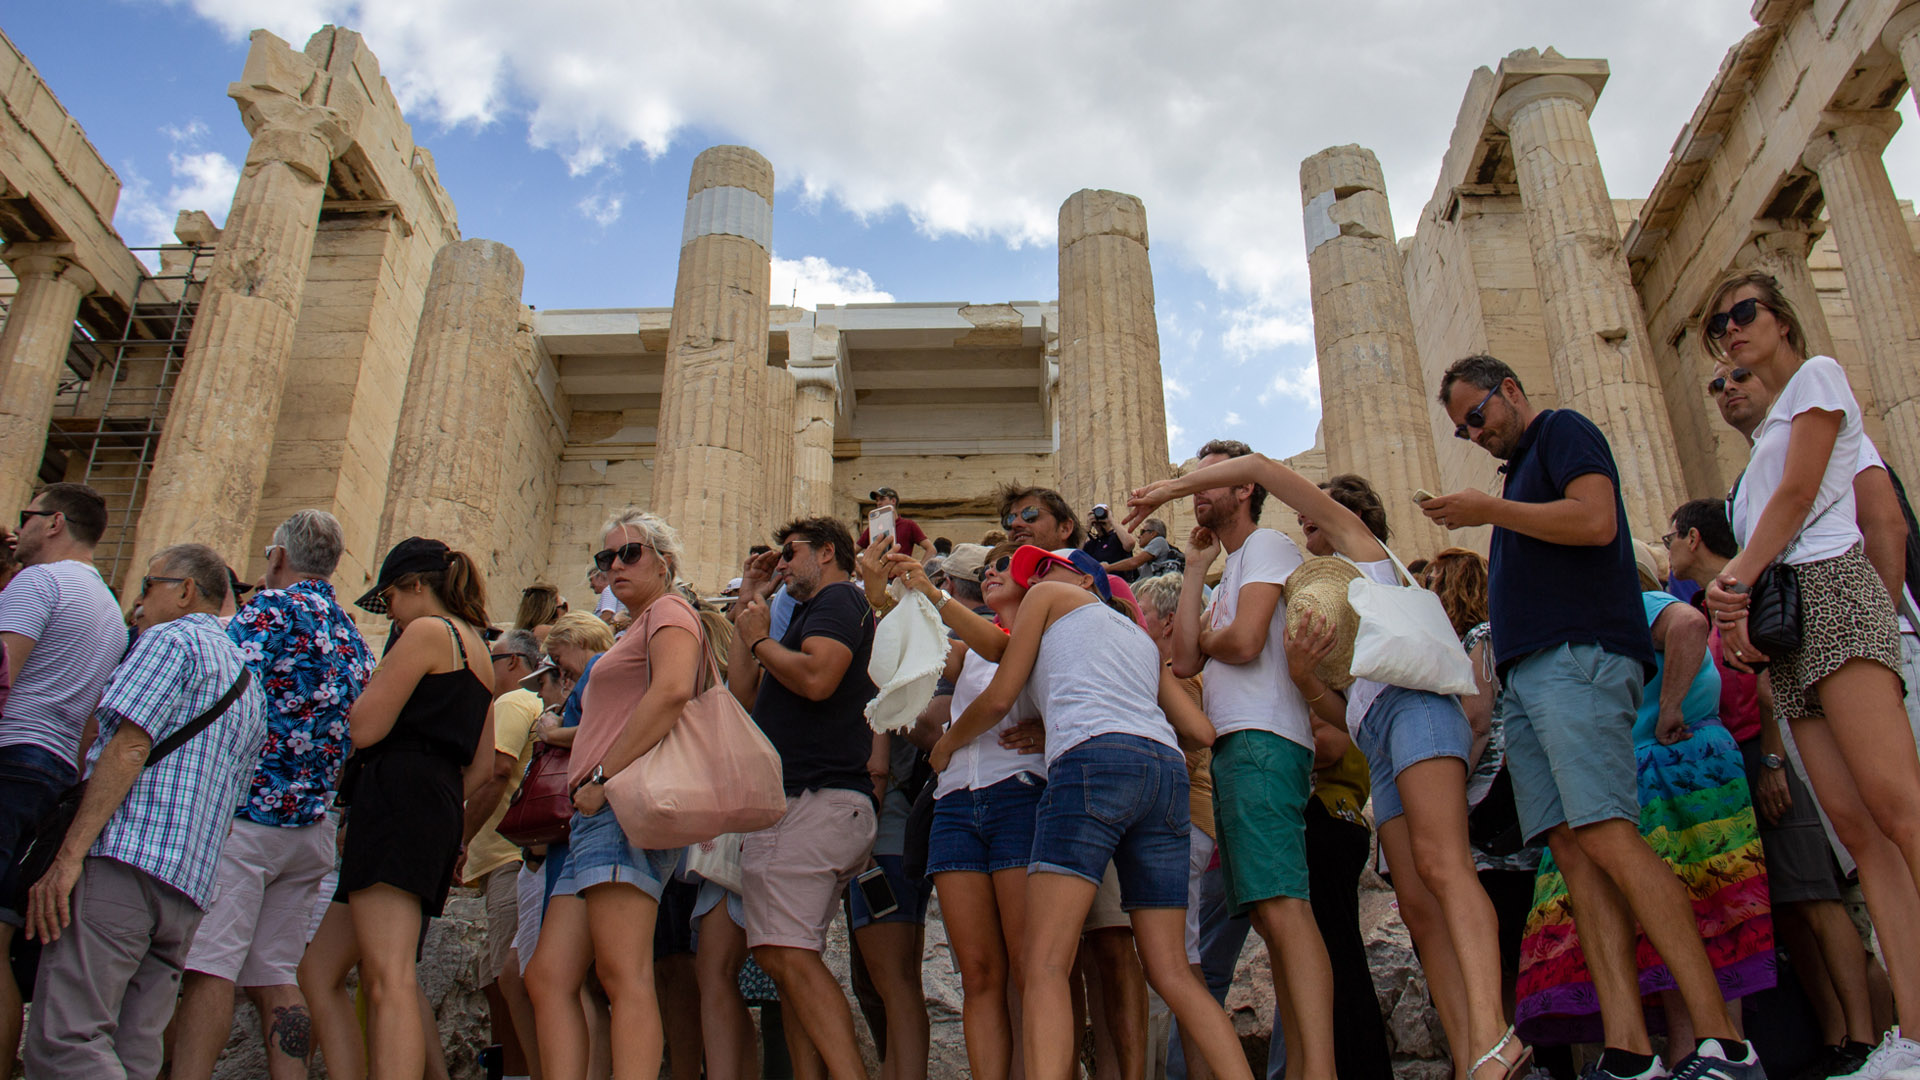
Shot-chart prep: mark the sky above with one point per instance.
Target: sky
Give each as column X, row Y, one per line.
column 922, row 148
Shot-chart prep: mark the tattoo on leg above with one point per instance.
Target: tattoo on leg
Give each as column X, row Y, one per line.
column 292, row 1030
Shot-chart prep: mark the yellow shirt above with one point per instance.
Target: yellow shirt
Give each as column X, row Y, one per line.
column 1343, row 786
column 1199, row 771
column 514, row 713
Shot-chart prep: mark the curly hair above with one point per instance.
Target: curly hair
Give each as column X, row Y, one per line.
column 1459, row 577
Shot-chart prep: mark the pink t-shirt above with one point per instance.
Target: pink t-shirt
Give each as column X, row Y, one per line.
column 620, row 679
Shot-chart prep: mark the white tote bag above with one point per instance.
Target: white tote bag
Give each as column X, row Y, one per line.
column 1405, row 638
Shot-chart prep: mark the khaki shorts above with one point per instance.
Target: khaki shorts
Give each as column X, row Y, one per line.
column 794, row 870
column 502, row 890
column 1105, row 914
column 261, row 917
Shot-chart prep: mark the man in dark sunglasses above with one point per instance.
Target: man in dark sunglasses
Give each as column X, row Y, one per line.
column 1570, row 639
column 1038, row 516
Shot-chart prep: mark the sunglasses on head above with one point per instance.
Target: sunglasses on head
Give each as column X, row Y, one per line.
column 1718, row 384
column 1739, row 314
column 1476, row 416
column 626, row 553
column 999, row 567
column 1030, row 515
column 786, row 550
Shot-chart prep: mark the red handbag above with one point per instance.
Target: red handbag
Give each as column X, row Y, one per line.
column 542, row 810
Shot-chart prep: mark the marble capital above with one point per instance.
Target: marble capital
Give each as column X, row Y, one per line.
column 1847, row 132
column 1542, row 88
column 47, row 260
column 824, row 377
column 289, row 131
column 1901, row 30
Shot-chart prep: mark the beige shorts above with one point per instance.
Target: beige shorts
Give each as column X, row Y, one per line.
column 502, row 891
column 1105, row 914
column 261, row 917
column 795, row 870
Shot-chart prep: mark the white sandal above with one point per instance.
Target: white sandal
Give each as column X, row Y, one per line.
column 1512, row 1067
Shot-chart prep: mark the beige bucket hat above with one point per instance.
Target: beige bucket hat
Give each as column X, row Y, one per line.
column 1319, row 585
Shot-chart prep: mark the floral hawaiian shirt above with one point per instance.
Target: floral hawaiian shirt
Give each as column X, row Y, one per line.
column 312, row 663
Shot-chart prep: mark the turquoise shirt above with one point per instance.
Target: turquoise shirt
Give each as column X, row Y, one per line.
column 1702, row 703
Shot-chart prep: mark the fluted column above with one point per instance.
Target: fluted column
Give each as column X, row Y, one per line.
column 33, row 349
column 1901, row 36
column 1112, row 415
column 1781, row 248
column 212, row 459
column 445, row 478
column 782, row 396
column 1595, row 330
column 815, row 402
column 1374, row 402
column 709, row 477
column 1883, row 273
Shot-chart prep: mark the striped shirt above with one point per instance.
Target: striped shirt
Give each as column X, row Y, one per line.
column 78, row 636
column 175, row 819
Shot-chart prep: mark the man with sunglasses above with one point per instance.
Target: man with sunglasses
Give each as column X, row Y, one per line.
column 1574, row 654
column 808, row 691
column 63, row 634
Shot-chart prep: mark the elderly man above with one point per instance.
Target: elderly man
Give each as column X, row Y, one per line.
column 308, row 656
column 63, row 635
column 123, row 898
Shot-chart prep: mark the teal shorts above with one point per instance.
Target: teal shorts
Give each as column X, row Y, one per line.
column 1261, row 784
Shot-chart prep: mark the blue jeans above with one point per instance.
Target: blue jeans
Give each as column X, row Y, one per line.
column 31, row 780
column 985, row 831
column 1120, row 799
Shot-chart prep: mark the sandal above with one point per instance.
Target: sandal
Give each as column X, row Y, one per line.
column 1513, row 1067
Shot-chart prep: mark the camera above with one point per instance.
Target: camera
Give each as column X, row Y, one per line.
column 1100, row 512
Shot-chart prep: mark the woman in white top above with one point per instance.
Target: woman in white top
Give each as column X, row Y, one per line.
column 1116, row 792
column 1416, row 745
column 1795, row 505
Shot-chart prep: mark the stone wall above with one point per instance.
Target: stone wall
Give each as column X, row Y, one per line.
column 951, row 496
column 586, row 491
column 531, row 446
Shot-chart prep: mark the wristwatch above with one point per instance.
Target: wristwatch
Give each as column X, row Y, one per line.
column 597, row 776
column 1739, row 588
column 941, row 604
column 1773, row 761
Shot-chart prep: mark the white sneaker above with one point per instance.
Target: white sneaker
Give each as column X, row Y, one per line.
column 1896, row 1058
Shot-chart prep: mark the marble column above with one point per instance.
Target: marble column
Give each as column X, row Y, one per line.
column 33, row 351
column 1110, row 406
column 1883, row 273
column 1595, row 330
column 212, row 461
column 1781, row 248
column 1901, row 36
column 815, row 403
column 782, row 398
column 709, row 476
column 444, row 482
column 1375, row 420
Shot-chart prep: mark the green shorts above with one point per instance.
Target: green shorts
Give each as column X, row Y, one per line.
column 1261, row 784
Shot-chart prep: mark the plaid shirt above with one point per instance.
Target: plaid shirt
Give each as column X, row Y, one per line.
column 177, row 814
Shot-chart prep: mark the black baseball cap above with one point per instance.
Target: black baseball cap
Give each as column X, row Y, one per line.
column 886, row 492
column 414, row 555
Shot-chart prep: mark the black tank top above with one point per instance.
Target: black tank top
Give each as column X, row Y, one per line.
column 445, row 713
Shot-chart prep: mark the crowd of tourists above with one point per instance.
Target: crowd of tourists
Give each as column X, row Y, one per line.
column 1610, row 781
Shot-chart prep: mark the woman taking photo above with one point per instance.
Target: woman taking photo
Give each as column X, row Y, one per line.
column 1795, row 505
column 607, row 896
column 416, row 730
column 1116, row 792
column 1417, row 745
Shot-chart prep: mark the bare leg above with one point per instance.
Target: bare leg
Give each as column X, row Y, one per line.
column 677, row 989
column 200, row 1025
column 620, row 918
column 967, row 903
column 893, row 953
column 436, row 1050
column 1057, row 907
column 285, row 1026
column 1605, row 925
column 1426, row 924
column 814, row 1005
column 1123, row 997
column 1162, row 937
column 330, row 956
column 513, row 990
column 386, row 921
column 726, row 1027
column 1300, row 957
column 555, row 979
column 1845, row 962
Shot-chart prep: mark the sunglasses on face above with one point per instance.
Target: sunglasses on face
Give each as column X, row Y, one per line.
column 1718, row 384
column 28, row 515
column 1739, row 314
column 626, row 553
column 147, row 583
column 997, row 567
column 786, row 550
column 1030, row 515
column 1476, row 416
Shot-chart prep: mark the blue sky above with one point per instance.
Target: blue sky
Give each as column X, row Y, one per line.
column 922, row 146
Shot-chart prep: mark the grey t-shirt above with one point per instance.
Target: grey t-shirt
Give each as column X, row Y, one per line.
column 78, row 639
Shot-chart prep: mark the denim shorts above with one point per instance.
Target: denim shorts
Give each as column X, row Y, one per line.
column 31, row 780
column 1405, row 727
column 1120, row 799
column 987, row 830
column 911, row 894
column 1568, row 713
column 598, row 853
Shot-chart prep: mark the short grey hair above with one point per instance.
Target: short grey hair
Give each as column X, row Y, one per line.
column 660, row 536
column 313, row 541
column 200, row 564
column 1154, row 526
column 520, row 643
column 1160, row 595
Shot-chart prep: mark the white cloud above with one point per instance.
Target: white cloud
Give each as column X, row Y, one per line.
column 1182, row 105
column 1261, row 328
column 1300, row 383
column 811, row 281
column 600, row 208
column 202, row 180
column 1232, row 419
column 1174, row 389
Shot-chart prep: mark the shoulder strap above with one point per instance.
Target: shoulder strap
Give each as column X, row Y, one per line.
column 1397, row 564
column 200, row 723
column 458, row 641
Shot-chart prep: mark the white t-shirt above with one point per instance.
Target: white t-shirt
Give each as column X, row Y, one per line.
column 983, row 762
column 1819, row 384
column 1257, row 694
column 1870, row 459
column 608, row 602
column 1361, row 694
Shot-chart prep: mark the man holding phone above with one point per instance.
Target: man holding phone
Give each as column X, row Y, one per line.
column 908, row 537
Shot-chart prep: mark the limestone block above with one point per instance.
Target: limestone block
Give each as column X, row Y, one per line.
column 782, row 449
column 33, row 353
column 816, row 394
column 1373, row 396
column 1110, row 409
column 447, row 457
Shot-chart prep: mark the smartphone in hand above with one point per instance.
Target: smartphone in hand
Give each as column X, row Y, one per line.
column 880, row 523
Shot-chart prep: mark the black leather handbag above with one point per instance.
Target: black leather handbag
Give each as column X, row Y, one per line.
column 1774, row 613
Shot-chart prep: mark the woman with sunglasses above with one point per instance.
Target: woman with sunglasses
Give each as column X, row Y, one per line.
column 607, row 898
column 1795, row 505
column 423, row 737
column 985, row 804
column 1116, row 792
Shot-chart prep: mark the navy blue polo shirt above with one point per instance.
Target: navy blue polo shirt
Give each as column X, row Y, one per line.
column 1542, row 595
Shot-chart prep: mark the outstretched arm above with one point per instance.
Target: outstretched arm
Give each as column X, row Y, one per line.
column 1349, row 534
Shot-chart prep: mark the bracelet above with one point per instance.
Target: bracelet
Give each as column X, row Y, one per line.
column 1316, row 697
column 756, row 645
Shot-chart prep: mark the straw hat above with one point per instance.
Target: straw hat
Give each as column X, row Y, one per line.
column 1319, row 585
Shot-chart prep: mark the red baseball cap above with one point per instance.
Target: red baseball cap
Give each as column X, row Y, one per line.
column 1028, row 560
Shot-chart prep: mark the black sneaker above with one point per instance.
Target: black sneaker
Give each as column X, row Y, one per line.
column 1712, row 1061
column 1655, row 1071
